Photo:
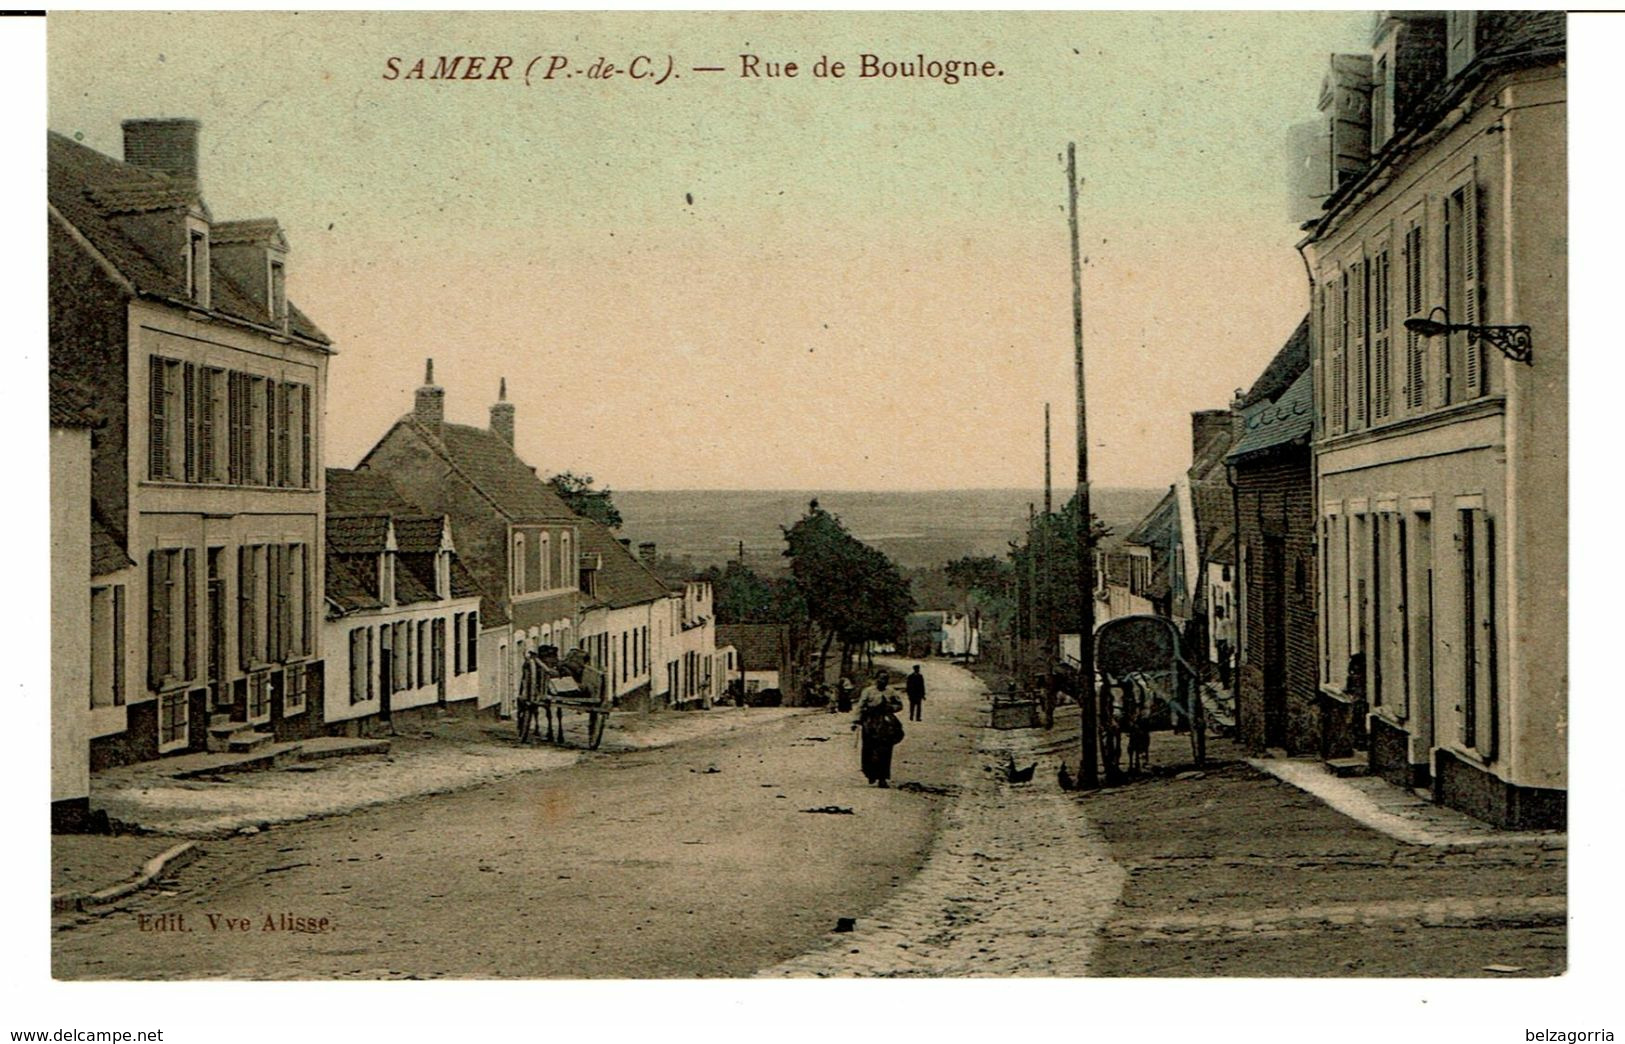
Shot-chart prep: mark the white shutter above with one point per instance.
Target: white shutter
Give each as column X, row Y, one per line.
column 1359, row 362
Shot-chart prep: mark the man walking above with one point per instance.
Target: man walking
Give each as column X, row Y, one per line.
column 915, row 686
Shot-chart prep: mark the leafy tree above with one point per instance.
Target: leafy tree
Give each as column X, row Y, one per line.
column 850, row 590
column 577, row 493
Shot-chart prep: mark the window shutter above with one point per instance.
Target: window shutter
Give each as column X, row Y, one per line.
column 272, row 432
column 285, row 472
column 1381, row 365
column 473, row 641
column 1339, row 358
column 1359, row 364
column 1471, row 265
column 189, row 426
column 118, row 645
column 1486, row 639
column 205, row 424
column 304, row 436
column 189, row 611
column 306, row 623
column 156, row 421
column 247, row 583
column 157, row 618
column 1415, row 357
column 234, row 428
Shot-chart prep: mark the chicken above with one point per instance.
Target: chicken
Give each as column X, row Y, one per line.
column 1064, row 777
column 1015, row 775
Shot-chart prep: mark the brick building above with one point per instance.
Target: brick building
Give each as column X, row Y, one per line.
column 1270, row 469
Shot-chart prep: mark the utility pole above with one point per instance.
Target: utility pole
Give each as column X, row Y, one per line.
column 1088, row 769
column 1046, row 600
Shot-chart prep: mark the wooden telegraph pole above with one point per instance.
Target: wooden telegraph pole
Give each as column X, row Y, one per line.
column 1088, row 769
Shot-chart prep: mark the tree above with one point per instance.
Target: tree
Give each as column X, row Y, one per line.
column 851, row 591
column 577, row 493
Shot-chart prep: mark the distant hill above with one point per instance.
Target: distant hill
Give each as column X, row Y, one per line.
column 917, row 529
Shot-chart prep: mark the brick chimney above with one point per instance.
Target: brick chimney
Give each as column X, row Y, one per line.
column 168, row 146
column 502, row 414
column 1205, row 426
column 646, row 553
column 429, row 407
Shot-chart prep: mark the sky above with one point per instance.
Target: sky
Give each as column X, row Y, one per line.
column 728, row 282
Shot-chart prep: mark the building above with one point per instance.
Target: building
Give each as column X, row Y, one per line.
column 1277, row 671
column 1140, row 572
column 694, row 679
column 629, row 620
column 765, row 666
column 1439, row 281
column 1204, row 602
column 516, row 537
column 403, row 612
column 90, row 577
column 206, row 473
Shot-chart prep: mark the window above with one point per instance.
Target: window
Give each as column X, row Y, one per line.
column 212, row 424
column 172, row 720
column 517, row 566
column 197, row 266
column 1460, row 30
column 1476, row 544
column 259, row 697
column 171, row 419
column 567, row 562
column 457, row 644
column 107, row 646
column 293, row 690
column 544, row 562
column 1380, row 104
column 1357, row 300
column 425, row 651
column 437, row 651
column 473, row 641
column 278, row 288
column 171, row 617
column 360, row 664
column 273, row 603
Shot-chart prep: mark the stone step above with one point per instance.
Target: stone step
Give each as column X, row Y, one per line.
column 248, row 742
column 220, row 734
column 1344, row 768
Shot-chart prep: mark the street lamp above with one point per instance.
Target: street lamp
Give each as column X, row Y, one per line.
column 1512, row 341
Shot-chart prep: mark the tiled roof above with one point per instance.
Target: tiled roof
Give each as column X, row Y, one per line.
column 491, row 464
column 1209, row 460
column 1215, row 515
column 415, row 533
column 104, row 200
column 106, row 550
column 71, row 406
column 1158, row 526
column 350, row 582
column 1506, row 33
column 357, row 534
column 1289, row 362
column 622, row 580
column 762, row 647
column 363, row 493
column 414, row 579
column 1287, row 420
column 251, row 230
column 463, row 585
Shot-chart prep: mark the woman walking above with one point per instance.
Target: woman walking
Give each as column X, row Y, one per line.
column 879, row 728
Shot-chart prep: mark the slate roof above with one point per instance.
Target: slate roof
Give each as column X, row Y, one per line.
column 622, row 580
column 1289, row 362
column 1215, row 517
column 1289, row 419
column 1158, row 526
column 98, row 194
column 463, row 585
column 762, row 647
column 414, row 579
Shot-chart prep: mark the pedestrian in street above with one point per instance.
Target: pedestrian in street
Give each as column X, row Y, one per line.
column 878, row 728
column 843, row 694
column 915, row 685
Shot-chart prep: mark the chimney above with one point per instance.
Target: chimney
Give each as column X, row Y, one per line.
column 626, row 543
column 1238, row 420
column 502, row 414
column 430, row 405
column 1207, row 425
column 646, row 553
column 168, row 146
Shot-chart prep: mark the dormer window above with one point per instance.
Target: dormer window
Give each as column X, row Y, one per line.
column 1460, row 32
column 278, row 292
column 197, row 265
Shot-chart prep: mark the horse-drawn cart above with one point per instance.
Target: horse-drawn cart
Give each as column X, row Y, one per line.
column 1143, row 680
column 559, row 694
